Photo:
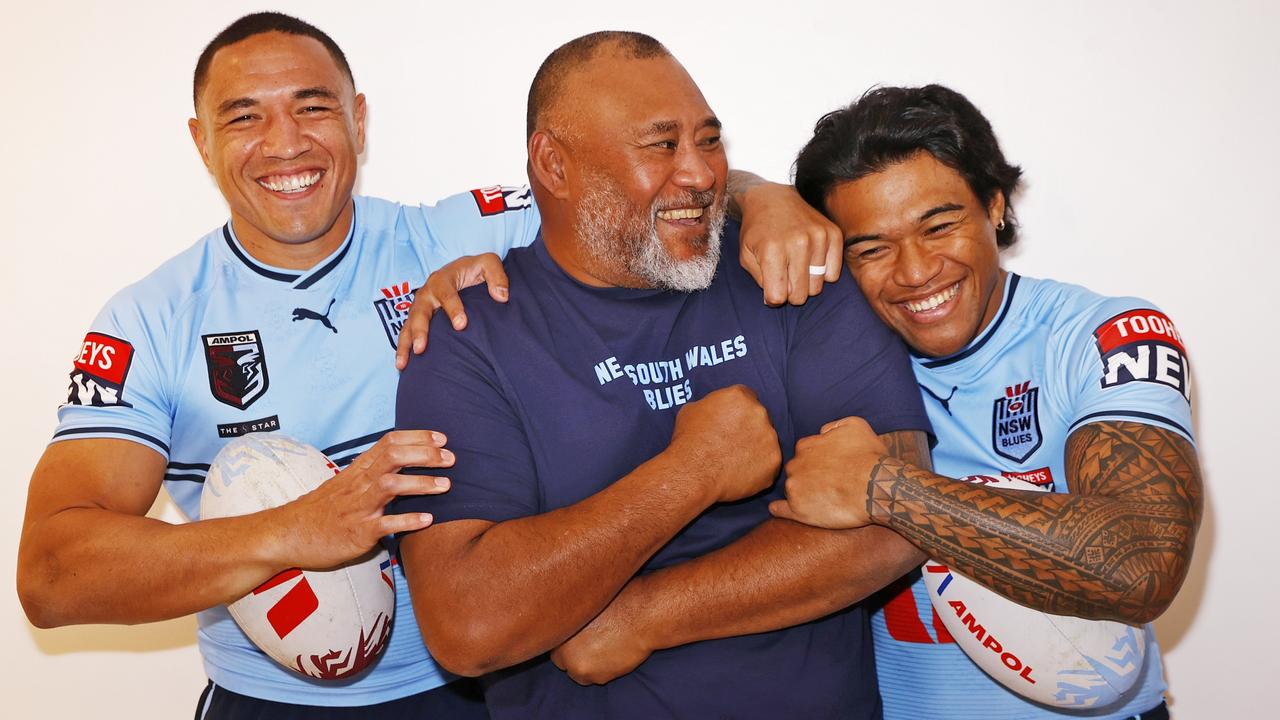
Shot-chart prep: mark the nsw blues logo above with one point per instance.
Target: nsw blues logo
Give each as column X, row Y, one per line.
column 393, row 310
column 1015, row 422
column 237, row 367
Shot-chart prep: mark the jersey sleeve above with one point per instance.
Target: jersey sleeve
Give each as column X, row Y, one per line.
column 493, row 219
column 843, row 361
column 493, row 476
column 116, row 387
column 1127, row 363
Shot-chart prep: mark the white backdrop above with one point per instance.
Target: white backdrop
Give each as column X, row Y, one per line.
column 1146, row 130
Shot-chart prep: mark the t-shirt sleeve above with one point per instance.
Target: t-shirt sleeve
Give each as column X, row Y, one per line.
column 1128, row 363
column 843, row 361
column 453, row 388
column 116, row 387
column 493, row 219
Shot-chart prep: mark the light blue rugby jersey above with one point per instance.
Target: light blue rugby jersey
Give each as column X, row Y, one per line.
column 1055, row 358
column 214, row 344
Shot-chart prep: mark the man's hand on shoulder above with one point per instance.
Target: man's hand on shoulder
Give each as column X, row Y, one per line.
column 440, row 292
column 784, row 240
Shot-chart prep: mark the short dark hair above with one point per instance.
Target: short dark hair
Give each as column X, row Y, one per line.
column 257, row 24
column 549, row 80
column 890, row 124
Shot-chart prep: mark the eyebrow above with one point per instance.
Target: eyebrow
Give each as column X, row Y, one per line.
column 939, row 210
column 948, row 207
column 237, row 104
column 315, row 92
column 666, row 126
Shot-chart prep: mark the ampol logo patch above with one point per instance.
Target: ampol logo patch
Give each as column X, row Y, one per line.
column 99, row 370
column 1015, row 422
column 393, row 309
column 237, row 367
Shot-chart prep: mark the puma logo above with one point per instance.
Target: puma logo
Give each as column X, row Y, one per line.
column 945, row 402
column 305, row 314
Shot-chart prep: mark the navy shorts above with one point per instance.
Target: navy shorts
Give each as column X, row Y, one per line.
column 460, row 700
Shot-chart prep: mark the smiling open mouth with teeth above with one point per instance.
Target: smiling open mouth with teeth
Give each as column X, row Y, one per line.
column 291, row 183
column 933, row 301
column 681, row 214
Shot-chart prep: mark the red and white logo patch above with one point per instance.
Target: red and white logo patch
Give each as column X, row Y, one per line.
column 497, row 199
column 1143, row 346
column 1042, row 476
column 99, row 370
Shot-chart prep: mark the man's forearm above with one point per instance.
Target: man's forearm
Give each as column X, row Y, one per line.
column 516, row 589
column 736, row 186
column 88, row 565
column 780, row 574
column 1119, row 552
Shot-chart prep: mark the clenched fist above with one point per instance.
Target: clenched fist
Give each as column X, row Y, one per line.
column 828, row 477
column 727, row 439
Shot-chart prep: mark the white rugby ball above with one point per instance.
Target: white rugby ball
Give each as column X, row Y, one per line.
column 326, row 624
column 1058, row 660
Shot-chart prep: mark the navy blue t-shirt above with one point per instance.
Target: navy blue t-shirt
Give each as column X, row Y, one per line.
column 552, row 397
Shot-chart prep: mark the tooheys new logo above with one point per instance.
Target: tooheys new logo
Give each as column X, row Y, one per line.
column 1143, row 346
column 99, row 370
column 237, row 367
column 498, row 199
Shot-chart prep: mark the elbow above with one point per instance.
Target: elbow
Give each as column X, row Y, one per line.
column 1154, row 592
column 37, row 594
column 466, row 644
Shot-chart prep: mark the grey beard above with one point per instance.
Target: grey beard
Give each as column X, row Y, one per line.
column 627, row 242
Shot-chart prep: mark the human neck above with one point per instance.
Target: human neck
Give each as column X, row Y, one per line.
column 293, row 256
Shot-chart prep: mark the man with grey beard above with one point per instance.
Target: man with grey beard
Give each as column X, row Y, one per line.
column 619, row 426
column 627, row 237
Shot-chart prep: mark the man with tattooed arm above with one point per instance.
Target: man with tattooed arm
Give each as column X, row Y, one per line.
column 1082, row 394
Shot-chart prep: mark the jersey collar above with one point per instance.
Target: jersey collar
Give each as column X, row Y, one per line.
column 297, row 280
column 1010, row 287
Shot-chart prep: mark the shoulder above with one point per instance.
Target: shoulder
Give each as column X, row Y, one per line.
column 1072, row 311
column 376, row 212
column 173, row 287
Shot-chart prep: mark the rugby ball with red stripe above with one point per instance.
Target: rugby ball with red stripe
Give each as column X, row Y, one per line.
column 326, row 624
column 1058, row 660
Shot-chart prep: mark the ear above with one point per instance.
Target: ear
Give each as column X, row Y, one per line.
column 995, row 209
column 358, row 112
column 197, row 136
column 548, row 158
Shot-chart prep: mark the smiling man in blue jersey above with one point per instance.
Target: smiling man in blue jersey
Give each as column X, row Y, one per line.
column 619, row 426
column 1084, row 395
column 285, row 318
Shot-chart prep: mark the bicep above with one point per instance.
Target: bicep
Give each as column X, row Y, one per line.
column 1115, row 458
column 843, row 362
column 429, row 556
column 100, row 473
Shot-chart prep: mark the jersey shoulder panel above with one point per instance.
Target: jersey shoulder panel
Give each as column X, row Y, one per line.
column 494, row 219
column 1119, row 358
column 123, row 374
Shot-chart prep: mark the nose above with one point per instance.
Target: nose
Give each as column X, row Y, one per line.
column 917, row 265
column 283, row 137
column 693, row 168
